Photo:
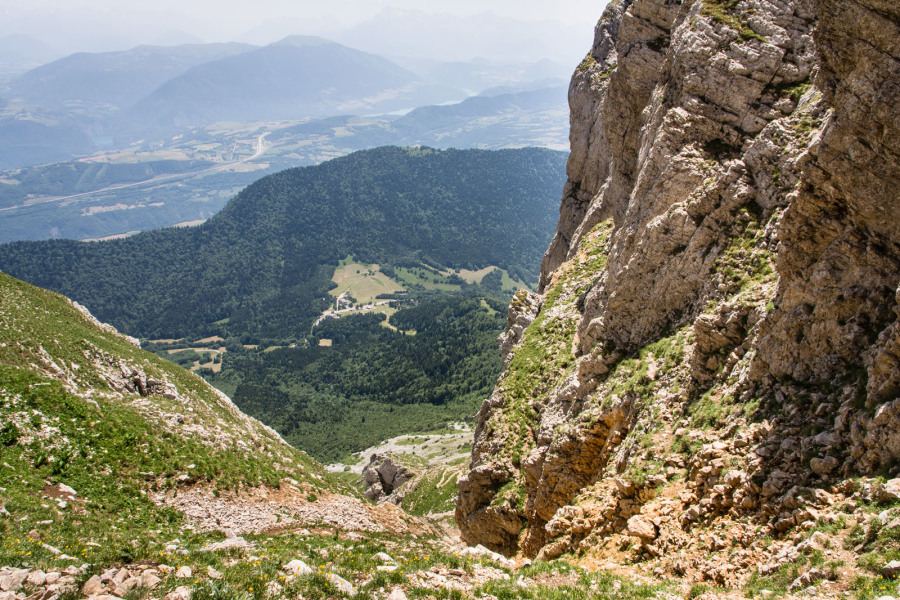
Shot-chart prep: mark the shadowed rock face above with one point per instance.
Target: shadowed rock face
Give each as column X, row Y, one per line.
column 725, row 271
column 383, row 476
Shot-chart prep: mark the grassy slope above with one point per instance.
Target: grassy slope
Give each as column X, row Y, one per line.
column 63, row 422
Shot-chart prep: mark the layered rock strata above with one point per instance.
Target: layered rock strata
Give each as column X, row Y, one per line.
column 715, row 336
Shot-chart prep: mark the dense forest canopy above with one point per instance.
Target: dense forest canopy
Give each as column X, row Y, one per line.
column 263, row 265
column 374, row 382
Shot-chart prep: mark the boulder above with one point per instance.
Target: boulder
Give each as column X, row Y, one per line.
column 230, row 543
column 817, row 541
column 12, row 582
column 149, row 580
column 297, row 567
column 891, row 569
column 93, row 586
column 180, row 593
column 480, row 551
column 641, row 527
column 120, row 576
column 384, row 558
column 823, row 466
column 343, row 586
column 889, row 491
column 126, row 586
column 625, row 487
column 383, row 476
column 807, row 579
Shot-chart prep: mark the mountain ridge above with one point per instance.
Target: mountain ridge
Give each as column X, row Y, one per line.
column 297, row 77
column 707, row 378
column 117, row 78
column 266, row 217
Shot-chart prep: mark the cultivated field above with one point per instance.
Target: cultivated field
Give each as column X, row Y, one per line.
column 364, row 282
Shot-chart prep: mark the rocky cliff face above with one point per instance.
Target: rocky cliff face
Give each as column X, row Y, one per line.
column 715, row 339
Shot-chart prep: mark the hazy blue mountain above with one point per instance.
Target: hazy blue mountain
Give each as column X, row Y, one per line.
column 506, row 120
column 28, row 141
column 113, row 79
column 430, row 118
column 294, row 78
column 493, row 121
column 20, row 52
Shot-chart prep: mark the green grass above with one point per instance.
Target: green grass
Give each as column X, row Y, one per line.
column 630, row 376
column 511, row 493
column 746, row 263
column 64, row 423
column 580, row 584
column 870, row 588
column 781, row 578
column 721, row 12
column 425, row 278
column 586, row 64
column 880, row 544
column 544, row 357
column 711, row 410
column 538, row 365
column 434, row 492
column 508, row 284
column 364, row 282
column 327, row 555
column 410, row 441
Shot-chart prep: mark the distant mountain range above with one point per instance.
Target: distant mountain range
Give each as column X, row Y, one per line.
column 295, row 78
column 505, row 120
column 89, row 102
column 20, row 52
column 114, row 80
column 510, row 120
column 152, row 88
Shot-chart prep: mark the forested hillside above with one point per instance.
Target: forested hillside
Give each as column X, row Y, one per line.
column 373, row 382
column 241, row 298
column 263, row 265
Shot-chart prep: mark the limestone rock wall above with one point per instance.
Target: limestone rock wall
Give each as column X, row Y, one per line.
column 717, row 320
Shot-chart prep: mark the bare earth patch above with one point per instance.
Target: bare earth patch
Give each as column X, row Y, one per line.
column 263, row 509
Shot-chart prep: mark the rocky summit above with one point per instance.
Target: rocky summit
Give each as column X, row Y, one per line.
column 706, row 381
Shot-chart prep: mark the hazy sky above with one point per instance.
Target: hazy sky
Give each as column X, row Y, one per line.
column 238, row 14
column 96, row 25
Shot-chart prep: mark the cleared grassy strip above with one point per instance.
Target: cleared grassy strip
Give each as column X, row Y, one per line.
column 364, row 282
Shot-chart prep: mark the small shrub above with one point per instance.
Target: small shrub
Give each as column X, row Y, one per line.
column 9, row 435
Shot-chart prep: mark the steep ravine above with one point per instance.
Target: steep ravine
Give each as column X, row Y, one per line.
column 713, row 356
